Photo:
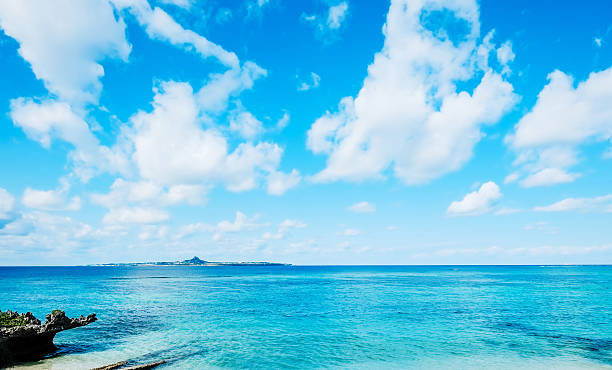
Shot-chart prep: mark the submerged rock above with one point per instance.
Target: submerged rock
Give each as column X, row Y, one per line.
column 24, row 338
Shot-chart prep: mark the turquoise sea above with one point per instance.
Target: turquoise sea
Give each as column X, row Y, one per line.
column 339, row 317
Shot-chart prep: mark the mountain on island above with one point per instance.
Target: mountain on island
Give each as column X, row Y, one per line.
column 195, row 261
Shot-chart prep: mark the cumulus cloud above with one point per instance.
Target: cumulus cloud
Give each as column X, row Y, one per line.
column 246, row 125
column 280, row 182
column 564, row 117
column 171, row 148
column 44, row 230
column 307, row 85
column 168, row 147
column 362, row 207
column 219, row 88
column 409, row 113
column 477, row 202
column 50, row 120
column 66, row 55
column 603, row 203
column 505, row 56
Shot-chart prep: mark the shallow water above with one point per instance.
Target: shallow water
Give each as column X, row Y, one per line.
column 466, row 317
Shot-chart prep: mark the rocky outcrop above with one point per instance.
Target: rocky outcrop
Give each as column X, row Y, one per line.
column 24, row 338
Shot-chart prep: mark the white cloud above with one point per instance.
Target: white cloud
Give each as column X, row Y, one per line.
column 409, row 113
column 135, row 215
column 505, row 55
column 185, row 193
column 49, row 120
column 280, row 182
column 44, row 230
column 564, row 117
column 325, row 24
column 603, row 203
column 305, row 85
column 477, row 202
column 171, row 148
column 50, row 199
column 362, row 207
column 336, row 15
column 159, row 25
column 567, row 115
column 7, row 205
column 65, row 54
column 283, row 228
column 153, row 232
column 191, row 229
column 547, row 177
column 190, row 158
column 240, row 223
column 124, row 192
column 245, row 124
column 213, row 97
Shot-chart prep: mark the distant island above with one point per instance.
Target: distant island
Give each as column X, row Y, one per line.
column 195, row 261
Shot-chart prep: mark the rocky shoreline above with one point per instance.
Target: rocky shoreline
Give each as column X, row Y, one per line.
column 24, row 338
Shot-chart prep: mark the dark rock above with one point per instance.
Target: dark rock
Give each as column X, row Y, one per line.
column 23, row 338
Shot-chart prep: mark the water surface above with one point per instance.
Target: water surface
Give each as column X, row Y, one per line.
column 448, row 317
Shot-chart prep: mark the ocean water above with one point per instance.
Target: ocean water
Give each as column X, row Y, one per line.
column 302, row 317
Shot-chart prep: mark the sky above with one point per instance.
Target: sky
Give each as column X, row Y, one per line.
column 306, row 132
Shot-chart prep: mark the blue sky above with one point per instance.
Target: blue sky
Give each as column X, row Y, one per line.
column 310, row 132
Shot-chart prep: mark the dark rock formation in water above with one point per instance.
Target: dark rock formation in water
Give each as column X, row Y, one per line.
column 24, row 338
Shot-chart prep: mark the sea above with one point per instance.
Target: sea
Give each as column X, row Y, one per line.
column 323, row 317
